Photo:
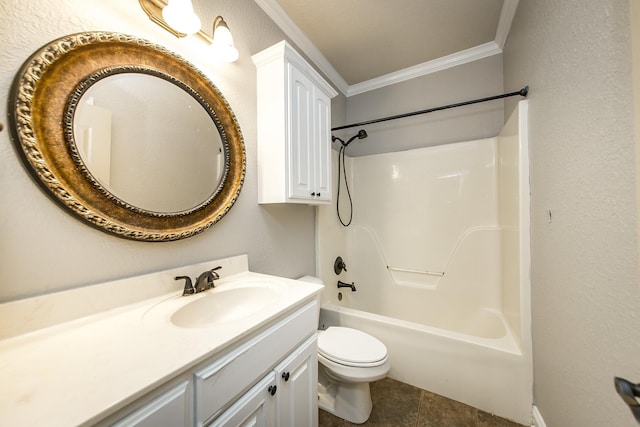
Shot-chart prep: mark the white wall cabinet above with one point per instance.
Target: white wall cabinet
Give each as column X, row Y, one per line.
column 267, row 379
column 294, row 129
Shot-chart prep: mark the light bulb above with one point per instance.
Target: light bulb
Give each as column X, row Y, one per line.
column 222, row 44
column 179, row 15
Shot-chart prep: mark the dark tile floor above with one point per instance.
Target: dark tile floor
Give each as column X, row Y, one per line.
column 396, row 404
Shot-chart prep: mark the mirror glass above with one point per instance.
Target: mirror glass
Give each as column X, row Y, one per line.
column 148, row 142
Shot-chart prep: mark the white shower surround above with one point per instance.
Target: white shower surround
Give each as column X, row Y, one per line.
column 461, row 209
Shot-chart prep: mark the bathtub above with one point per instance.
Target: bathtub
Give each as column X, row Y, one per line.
column 487, row 372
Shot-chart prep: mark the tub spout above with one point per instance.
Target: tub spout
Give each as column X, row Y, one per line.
column 347, row 285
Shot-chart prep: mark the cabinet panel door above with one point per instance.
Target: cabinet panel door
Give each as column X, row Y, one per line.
column 170, row 409
column 219, row 382
column 301, row 138
column 322, row 134
column 256, row 408
column 297, row 376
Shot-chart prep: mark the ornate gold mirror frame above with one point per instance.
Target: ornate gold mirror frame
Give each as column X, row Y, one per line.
column 45, row 90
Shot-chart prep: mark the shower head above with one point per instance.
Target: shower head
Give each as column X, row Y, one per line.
column 362, row 134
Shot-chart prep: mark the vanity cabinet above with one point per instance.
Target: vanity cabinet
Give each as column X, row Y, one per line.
column 169, row 407
column 150, row 357
column 297, row 392
column 294, row 129
column 267, row 379
column 286, row 397
column 256, row 408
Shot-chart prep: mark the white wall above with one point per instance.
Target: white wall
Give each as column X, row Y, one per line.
column 43, row 249
column 576, row 57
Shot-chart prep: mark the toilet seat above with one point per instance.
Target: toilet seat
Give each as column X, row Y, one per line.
column 351, row 347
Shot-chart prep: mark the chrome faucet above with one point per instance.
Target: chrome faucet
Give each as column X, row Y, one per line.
column 205, row 281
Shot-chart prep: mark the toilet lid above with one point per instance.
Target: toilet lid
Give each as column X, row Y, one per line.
column 351, row 346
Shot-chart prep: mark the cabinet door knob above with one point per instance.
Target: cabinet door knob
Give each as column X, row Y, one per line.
column 313, row 194
column 285, row 376
column 318, row 194
column 273, row 389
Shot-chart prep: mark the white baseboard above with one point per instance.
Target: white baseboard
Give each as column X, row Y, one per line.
column 537, row 418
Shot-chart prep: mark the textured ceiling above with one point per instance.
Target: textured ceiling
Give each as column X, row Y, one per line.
column 366, row 39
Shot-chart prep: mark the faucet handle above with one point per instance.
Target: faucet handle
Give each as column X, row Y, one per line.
column 204, row 281
column 214, row 271
column 339, row 265
column 188, row 285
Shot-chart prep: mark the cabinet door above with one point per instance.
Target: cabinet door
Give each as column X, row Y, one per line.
column 301, row 151
column 222, row 380
column 169, row 409
column 297, row 377
column 322, row 146
column 256, row 408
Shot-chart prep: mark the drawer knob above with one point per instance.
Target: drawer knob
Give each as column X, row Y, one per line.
column 285, row 376
column 272, row 390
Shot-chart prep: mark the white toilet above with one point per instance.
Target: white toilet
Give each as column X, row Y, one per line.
column 349, row 360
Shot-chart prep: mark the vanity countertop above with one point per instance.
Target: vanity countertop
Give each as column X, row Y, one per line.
column 81, row 370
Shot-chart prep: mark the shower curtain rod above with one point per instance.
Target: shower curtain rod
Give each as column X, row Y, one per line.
column 522, row 92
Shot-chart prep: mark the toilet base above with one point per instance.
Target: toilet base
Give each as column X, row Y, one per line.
column 349, row 401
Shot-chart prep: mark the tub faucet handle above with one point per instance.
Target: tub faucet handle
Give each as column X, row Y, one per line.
column 339, row 265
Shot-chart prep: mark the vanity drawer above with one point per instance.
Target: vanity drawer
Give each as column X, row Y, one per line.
column 222, row 381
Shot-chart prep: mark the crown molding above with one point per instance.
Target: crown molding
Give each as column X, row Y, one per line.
column 538, row 421
column 507, row 14
column 286, row 24
column 449, row 61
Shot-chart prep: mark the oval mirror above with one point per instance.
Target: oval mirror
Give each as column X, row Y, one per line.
column 127, row 136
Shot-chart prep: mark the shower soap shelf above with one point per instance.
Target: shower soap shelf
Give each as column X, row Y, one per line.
column 424, row 279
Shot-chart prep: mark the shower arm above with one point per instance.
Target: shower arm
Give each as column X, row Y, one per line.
column 522, row 92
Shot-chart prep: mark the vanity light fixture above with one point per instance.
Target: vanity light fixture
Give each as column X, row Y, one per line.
column 179, row 18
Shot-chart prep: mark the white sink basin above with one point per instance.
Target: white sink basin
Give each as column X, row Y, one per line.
column 224, row 305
